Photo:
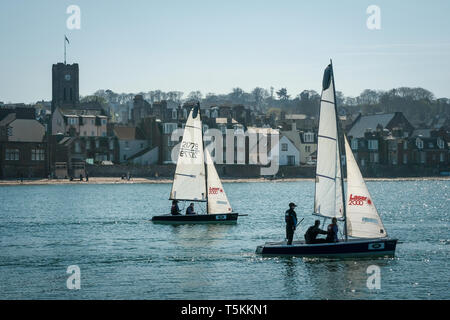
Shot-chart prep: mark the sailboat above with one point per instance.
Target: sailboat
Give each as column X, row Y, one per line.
column 196, row 179
column 364, row 233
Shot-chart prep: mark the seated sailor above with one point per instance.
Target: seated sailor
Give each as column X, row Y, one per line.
column 175, row 210
column 190, row 209
column 332, row 231
column 312, row 232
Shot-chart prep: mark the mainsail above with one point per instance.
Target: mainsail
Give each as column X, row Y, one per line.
column 362, row 217
column 217, row 199
column 189, row 181
column 328, row 200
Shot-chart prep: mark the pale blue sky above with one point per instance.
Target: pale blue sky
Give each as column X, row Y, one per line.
column 213, row 46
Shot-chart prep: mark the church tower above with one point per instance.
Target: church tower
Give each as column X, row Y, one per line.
column 65, row 86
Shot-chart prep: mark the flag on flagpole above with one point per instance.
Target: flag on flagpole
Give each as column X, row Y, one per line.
column 67, row 39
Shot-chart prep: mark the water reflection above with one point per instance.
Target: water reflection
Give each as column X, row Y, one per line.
column 346, row 279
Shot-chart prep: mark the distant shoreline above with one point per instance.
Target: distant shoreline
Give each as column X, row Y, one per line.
column 115, row 180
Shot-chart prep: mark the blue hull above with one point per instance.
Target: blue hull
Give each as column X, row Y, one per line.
column 344, row 249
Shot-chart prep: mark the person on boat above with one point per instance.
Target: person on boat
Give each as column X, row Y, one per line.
column 175, row 210
column 291, row 222
column 190, row 209
column 312, row 232
column 332, row 231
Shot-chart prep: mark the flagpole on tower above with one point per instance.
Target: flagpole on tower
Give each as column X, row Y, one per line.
column 65, row 40
column 65, row 49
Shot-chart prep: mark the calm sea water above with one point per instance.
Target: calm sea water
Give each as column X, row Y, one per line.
column 105, row 230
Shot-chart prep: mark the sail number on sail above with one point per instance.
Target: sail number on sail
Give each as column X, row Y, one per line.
column 189, row 150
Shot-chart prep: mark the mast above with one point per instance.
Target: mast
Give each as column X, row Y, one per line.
column 339, row 130
column 204, row 162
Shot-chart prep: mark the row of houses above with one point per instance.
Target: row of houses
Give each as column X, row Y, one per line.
column 60, row 142
column 73, row 137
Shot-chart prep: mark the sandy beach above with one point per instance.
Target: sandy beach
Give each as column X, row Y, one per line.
column 118, row 180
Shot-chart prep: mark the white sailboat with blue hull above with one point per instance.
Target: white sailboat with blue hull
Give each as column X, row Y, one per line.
column 196, row 179
column 364, row 232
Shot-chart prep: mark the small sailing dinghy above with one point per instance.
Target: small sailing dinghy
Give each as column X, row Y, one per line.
column 196, row 179
column 358, row 213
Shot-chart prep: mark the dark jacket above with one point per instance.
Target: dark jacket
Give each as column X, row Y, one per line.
column 190, row 210
column 291, row 218
column 332, row 233
column 175, row 210
column 312, row 232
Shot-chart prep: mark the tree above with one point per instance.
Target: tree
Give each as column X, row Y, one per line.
column 195, row 95
column 282, row 94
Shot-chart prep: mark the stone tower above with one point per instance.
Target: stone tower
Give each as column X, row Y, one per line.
column 65, row 85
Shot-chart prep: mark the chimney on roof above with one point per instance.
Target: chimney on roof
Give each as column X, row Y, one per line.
column 293, row 126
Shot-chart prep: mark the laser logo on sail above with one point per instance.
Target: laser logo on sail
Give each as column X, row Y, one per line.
column 214, row 190
column 358, row 200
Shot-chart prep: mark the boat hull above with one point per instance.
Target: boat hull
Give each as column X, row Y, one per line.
column 226, row 218
column 345, row 249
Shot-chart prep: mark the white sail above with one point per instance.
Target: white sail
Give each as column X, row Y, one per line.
column 217, row 198
column 189, row 181
column 362, row 216
column 328, row 200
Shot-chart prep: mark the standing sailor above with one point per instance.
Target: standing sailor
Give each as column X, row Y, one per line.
column 291, row 222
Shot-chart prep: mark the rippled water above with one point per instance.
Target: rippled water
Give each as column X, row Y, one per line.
column 105, row 230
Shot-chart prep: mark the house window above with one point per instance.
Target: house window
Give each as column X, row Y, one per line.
column 284, row 147
column 441, row 157
column 92, row 133
column 72, row 121
column 103, row 122
column 291, row 160
column 103, row 134
column 12, row 154
column 97, row 143
column 373, row 145
column 308, row 137
column 77, row 147
column 170, row 127
column 307, row 148
column 111, row 144
column 92, row 121
column 419, row 144
column 405, row 158
column 430, row 145
column 355, row 144
column 174, row 114
column 126, row 144
column 88, row 145
column 422, row 156
column 440, row 143
column 374, row 157
column 37, row 154
column 184, row 113
column 405, row 145
column 85, row 133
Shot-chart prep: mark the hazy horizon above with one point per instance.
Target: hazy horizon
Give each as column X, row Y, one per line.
column 213, row 46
